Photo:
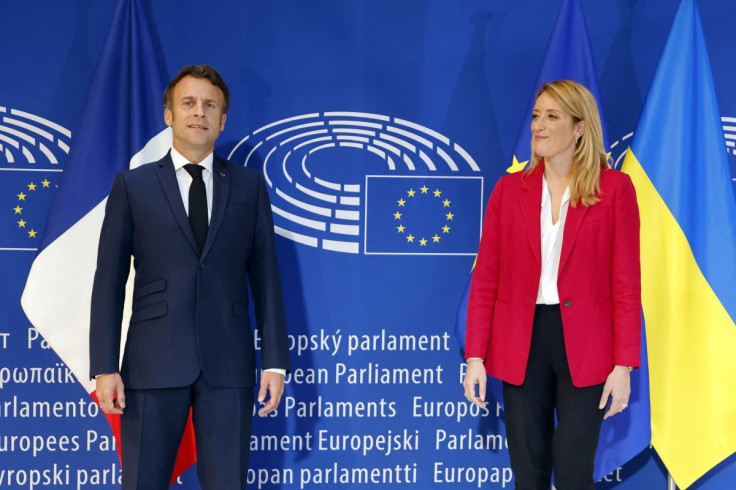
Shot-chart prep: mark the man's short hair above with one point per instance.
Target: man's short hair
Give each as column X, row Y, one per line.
column 199, row 71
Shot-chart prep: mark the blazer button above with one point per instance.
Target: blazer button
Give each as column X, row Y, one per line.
column 202, row 266
column 568, row 303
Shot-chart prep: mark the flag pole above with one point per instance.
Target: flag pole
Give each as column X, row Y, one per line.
column 671, row 483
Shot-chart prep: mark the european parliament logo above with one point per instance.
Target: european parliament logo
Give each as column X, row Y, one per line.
column 356, row 182
column 31, row 148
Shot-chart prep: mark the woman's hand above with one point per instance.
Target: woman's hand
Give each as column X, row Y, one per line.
column 475, row 375
column 618, row 387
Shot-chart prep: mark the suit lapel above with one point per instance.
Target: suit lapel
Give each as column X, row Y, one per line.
column 167, row 177
column 531, row 202
column 221, row 190
column 574, row 218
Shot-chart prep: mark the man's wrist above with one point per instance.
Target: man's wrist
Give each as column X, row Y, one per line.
column 282, row 372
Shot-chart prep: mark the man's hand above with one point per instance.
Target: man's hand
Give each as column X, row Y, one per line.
column 273, row 385
column 111, row 393
column 475, row 375
column 618, row 387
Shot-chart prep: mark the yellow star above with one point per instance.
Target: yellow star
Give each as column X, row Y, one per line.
column 18, row 209
column 410, row 238
column 424, row 189
column 21, row 197
column 436, row 238
column 411, row 192
column 516, row 166
column 449, row 216
column 31, row 186
column 445, row 229
column 32, row 233
column 423, row 242
column 46, row 183
column 446, row 203
column 401, row 202
column 397, row 215
column 21, row 224
column 400, row 228
column 437, row 193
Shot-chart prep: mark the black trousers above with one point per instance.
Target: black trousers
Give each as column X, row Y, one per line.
column 153, row 424
column 536, row 446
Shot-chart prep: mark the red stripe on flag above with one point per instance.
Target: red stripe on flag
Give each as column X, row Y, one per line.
column 187, row 455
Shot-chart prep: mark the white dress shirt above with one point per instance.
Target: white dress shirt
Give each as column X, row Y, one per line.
column 551, row 245
column 185, row 181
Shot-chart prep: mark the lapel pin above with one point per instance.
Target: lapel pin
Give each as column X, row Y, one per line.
column 222, row 174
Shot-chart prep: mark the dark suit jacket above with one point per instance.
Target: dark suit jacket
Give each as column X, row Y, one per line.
column 190, row 310
column 598, row 280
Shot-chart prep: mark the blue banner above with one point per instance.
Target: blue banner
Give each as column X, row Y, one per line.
column 373, row 122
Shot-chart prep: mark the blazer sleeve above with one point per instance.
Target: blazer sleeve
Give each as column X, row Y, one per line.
column 111, row 276
column 485, row 279
column 626, row 276
column 265, row 282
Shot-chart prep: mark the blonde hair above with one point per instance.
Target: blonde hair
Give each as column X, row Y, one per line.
column 590, row 154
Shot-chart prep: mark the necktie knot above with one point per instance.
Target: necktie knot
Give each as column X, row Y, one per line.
column 194, row 170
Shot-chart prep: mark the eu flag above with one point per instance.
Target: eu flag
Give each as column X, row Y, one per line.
column 569, row 56
column 26, row 206
column 423, row 215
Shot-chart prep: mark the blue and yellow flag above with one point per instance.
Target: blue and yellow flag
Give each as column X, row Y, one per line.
column 688, row 243
column 569, row 56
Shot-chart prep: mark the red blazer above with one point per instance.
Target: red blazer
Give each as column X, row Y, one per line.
column 599, row 281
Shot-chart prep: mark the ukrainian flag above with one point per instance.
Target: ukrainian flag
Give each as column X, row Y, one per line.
column 679, row 167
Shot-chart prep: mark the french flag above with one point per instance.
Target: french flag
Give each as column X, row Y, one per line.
column 121, row 127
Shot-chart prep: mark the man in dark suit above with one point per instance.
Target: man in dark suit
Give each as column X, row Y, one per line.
column 200, row 231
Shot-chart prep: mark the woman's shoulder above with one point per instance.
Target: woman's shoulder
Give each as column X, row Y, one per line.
column 510, row 184
column 614, row 178
column 522, row 177
column 617, row 186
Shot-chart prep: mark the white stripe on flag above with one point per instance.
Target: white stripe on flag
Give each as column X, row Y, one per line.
column 154, row 150
column 58, row 292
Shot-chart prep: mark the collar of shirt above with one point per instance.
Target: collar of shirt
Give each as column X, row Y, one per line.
column 547, row 203
column 179, row 161
column 184, row 180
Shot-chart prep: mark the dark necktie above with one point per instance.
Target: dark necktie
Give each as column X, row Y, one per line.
column 197, row 204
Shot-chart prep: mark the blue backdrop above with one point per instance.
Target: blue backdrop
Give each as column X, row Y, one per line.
column 350, row 108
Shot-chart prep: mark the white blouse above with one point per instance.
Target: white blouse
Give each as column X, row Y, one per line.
column 551, row 245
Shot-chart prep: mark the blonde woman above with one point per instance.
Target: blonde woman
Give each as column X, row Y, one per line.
column 555, row 299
